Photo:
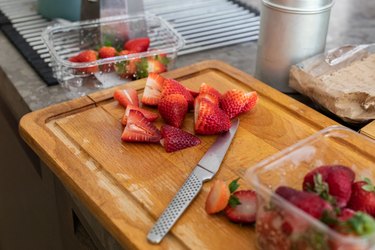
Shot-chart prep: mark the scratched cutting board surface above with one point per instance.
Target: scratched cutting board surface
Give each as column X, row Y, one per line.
column 128, row 185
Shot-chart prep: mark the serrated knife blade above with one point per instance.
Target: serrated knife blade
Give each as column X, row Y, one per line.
column 204, row 171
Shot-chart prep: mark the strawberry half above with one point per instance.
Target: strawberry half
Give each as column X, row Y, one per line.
column 218, row 197
column 153, row 88
column 173, row 109
column 149, row 115
column 138, row 44
column 331, row 182
column 309, row 202
column 175, row 139
column 172, row 86
column 207, row 89
column 209, row 119
column 139, row 129
column 363, row 197
column 126, row 97
column 235, row 102
column 245, row 211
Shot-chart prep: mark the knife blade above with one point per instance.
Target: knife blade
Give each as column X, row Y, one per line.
column 204, row 171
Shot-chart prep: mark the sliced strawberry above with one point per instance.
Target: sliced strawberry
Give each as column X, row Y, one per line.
column 209, row 119
column 235, row 102
column 126, row 97
column 245, row 211
column 309, row 202
column 173, row 109
column 138, row 44
column 207, row 89
column 139, row 129
column 218, row 197
column 331, row 182
column 172, row 86
column 175, row 139
column 153, row 88
column 84, row 57
column 207, row 97
column 149, row 115
column 155, row 66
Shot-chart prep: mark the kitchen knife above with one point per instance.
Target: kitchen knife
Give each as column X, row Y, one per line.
column 204, row 171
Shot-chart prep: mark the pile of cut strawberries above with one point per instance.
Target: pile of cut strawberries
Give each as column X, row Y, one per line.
column 213, row 111
column 329, row 194
column 134, row 68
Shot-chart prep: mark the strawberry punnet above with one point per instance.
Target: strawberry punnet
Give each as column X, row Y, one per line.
column 153, row 88
column 126, row 97
column 235, row 102
column 309, row 202
column 175, row 139
column 218, row 197
column 171, row 86
column 139, row 129
column 149, row 115
column 138, row 44
column 209, row 118
column 173, row 109
column 245, row 210
column 363, row 197
column 331, row 182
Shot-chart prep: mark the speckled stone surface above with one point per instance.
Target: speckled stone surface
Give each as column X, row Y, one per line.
column 23, row 91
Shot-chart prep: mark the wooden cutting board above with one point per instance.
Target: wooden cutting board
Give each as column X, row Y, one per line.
column 127, row 186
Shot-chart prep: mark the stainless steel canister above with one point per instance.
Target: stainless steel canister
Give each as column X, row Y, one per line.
column 290, row 31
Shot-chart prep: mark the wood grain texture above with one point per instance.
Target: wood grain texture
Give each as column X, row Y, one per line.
column 369, row 130
column 127, row 185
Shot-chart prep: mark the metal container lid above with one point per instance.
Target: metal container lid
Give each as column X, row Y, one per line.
column 299, row 6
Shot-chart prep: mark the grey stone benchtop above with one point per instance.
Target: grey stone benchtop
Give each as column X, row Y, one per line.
column 352, row 22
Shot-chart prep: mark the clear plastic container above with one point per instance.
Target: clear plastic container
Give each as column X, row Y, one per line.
column 67, row 40
column 333, row 145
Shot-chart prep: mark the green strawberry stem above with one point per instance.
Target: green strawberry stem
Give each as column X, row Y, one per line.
column 369, row 187
column 322, row 189
column 233, row 200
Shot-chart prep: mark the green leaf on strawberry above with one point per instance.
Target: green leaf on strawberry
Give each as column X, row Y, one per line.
column 361, row 224
column 234, row 185
column 142, row 71
column 322, row 189
column 369, row 186
column 233, row 200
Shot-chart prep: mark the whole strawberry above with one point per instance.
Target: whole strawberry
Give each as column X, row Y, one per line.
column 331, row 182
column 107, row 51
column 363, row 197
column 172, row 109
column 85, row 57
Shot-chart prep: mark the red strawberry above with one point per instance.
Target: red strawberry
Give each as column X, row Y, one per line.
column 207, row 97
column 192, row 92
column 107, row 51
column 207, row 89
column 126, row 97
column 363, row 197
column 85, row 57
column 138, row 44
column 218, row 197
column 176, row 139
column 171, row 86
column 309, row 202
column 245, row 211
column 172, row 109
column 334, row 183
column 235, row 102
column 139, row 129
column 149, row 115
column 209, row 119
column 153, row 88
column 155, row 66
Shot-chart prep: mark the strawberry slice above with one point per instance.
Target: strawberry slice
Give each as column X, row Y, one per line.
column 155, row 66
column 235, row 102
column 126, row 97
column 172, row 86
column 175, row 139
column 172, row 109
column 153, row 88
column 84, row 57
column 209, row 119
column 138, row 44
column 218, row 197
column 149, row 115
column 207, row 97
column 207, row 89
column 245, row 211
column 139, row 129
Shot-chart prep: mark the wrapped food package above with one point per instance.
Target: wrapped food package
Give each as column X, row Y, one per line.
column 341, row 81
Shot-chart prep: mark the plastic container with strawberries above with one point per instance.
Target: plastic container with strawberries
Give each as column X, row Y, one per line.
column 105, row 52
column 294, row 213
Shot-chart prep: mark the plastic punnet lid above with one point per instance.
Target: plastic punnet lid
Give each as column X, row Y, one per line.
column 300, row 6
